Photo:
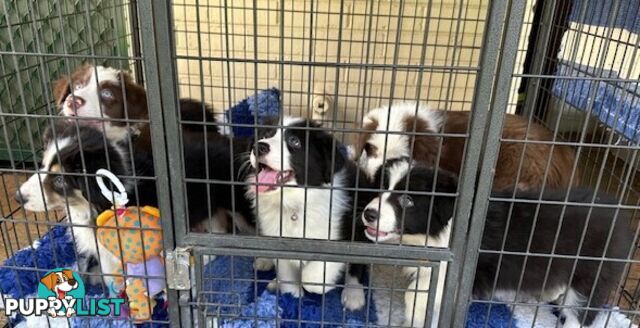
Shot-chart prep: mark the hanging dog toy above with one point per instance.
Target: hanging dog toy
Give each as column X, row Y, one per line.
column 132, row 235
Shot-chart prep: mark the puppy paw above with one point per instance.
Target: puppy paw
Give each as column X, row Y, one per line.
column 285, row 288
column 352, row 298
column 295, row 291
column 262, row 264
column 317, row 279
column 272, row 286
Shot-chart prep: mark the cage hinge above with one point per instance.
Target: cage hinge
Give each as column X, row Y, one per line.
column 178, row 268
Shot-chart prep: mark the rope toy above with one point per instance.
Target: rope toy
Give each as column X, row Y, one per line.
column 133, row 236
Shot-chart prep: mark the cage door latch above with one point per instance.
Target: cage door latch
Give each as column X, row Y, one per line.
column 178, row 268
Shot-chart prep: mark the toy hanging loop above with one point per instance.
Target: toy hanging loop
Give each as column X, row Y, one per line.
column 119, row 197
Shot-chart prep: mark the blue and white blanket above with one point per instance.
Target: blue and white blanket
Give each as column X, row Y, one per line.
column 238, row 299
column 586, row 56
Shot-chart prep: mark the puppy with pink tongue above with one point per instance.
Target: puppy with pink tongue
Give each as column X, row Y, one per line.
column 297, row 190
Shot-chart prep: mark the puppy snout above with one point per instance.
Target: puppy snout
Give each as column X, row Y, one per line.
column 72, row 282
column 20, row 198
column 262, row 148
column 75, row 102
column 370, row 215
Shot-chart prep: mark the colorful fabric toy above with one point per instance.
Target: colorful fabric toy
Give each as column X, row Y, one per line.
column 132, row 235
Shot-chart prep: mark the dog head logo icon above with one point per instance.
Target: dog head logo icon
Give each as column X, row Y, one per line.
column 62, row 288
column 60, row 283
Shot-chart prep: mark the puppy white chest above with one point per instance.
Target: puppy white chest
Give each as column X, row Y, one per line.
column 290, row 214
column 84, row 235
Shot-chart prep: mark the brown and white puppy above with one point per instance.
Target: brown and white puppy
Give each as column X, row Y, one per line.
column 111, row 97
column 60, row 283
column 102, row 93
column 376, row 145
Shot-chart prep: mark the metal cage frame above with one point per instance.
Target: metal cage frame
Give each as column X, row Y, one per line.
column 153, row 44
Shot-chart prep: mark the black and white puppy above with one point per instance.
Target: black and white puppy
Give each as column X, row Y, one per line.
column 397, row 214
column 72, row 151
column 212, row 163
column 400, row 215
column 296, row 191
column 59, row 185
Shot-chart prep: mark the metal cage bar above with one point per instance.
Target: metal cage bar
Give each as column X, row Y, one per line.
column 509, row 44
column 155, row 29
column 457, row 275
column 247, row 43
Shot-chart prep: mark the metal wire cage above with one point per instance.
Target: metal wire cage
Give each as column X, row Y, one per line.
column 566, row 65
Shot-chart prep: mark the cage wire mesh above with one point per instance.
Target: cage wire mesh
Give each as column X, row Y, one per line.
column 577, row 78
column 331, row 61
column 38, row 47
column 585, row 84
column 41, row 42
column 566, row 69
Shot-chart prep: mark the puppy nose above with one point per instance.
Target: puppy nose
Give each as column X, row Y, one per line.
column 20, row 198
column 370, row 215
column 71, row 281
column 74, row 102
column 263, row 148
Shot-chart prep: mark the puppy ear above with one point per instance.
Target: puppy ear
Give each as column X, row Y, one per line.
column 446, row 181
column 61, row 89
column 425, row 148
column 94, row 156
column 444, row 206
column 136, row 97
column 368, row 127
column 335, row 150
column 49, row 280
column 56, row 128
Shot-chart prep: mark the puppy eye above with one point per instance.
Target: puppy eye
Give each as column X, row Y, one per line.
column 106, row 93
column 406, row 201
column 294, row 142
column 77, row 86
column 58, row 182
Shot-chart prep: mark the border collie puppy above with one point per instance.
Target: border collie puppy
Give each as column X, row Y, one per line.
column 97, row 91
column 215, row 205
column 289, row 190
column 58, row 184
column 109, row 93
column 383, row 221
column 375, row 144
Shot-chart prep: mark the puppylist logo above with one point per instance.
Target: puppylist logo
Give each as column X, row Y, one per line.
column 61, row 293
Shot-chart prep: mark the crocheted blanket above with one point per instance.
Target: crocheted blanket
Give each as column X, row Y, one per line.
column 237, row 297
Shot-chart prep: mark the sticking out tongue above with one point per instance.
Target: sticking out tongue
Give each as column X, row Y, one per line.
column 374, row 232
column 61, row 294
column 267, row 178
